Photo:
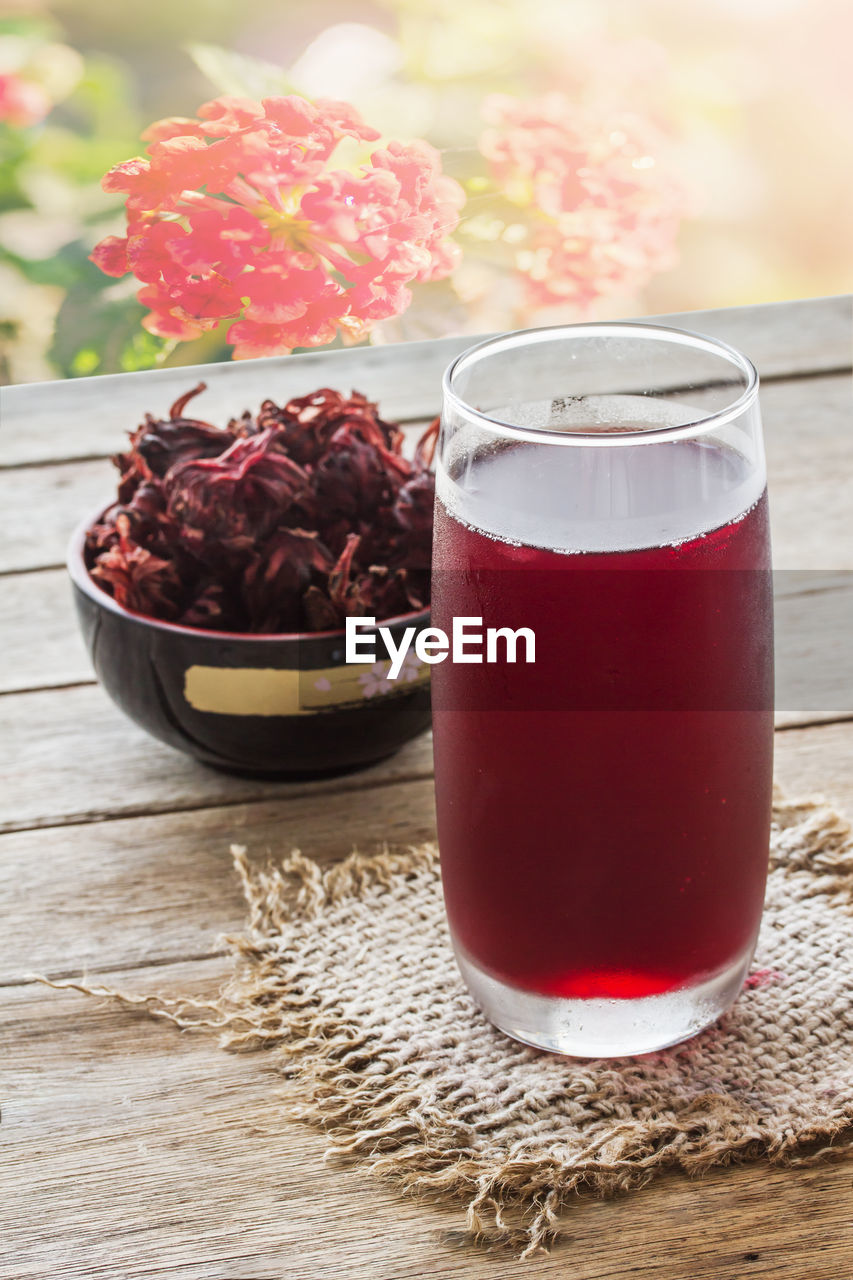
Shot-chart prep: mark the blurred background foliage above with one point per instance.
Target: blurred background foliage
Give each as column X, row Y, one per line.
column 756, row 99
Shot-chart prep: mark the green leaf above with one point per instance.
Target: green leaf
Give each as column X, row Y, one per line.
column 238, row 74
column 97, row 335
column 101, row 106
column 143, row 351
column 62, row 270
column 82, row 158
column 85, row 362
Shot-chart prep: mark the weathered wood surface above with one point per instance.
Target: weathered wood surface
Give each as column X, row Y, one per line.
column 41, row 506
column 814, row 645
column 129, row 1150
column 168, row 878
column 42, row 646
column 75, row 758
column 80, row 760
column 808, row 428
column 89, row 416
column 148, row 1152
column 809, row 441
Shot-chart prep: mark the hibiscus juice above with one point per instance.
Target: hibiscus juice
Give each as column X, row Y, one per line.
column 603, row 812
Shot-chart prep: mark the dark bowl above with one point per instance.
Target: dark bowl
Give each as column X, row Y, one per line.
column 284, row 706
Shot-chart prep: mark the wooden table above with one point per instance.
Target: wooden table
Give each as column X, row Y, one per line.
column 130, row 1150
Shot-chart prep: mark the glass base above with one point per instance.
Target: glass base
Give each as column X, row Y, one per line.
column 604, row 1028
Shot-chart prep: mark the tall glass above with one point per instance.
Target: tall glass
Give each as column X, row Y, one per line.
column 604, row 810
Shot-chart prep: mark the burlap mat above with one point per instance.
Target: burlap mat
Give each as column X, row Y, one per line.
column 349, row 980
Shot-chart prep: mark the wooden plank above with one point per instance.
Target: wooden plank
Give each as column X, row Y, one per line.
column 809, row 448
column 89, row 416
column 71, row 756
column 811, row 335
column 41, row 506
column 148, row 1153
column 814, row 653
column 41, row 643
column 818, row 760
column 809, row 439
column 145, row 890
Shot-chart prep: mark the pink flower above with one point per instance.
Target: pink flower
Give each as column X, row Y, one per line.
column 22, row 102
column 376, row 680
column 410, row 668
column 239, row 214
column 598, row 193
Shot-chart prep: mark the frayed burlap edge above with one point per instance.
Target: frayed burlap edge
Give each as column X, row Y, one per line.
column 379, row 1120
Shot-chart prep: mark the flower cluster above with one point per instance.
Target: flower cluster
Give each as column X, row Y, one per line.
column 599, row 194
column 290, row 520
column 238, row 214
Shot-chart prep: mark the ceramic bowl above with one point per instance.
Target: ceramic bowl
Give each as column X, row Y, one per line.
column 266, row 705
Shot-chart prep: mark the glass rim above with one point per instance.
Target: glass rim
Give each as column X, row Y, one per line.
column 604, row 328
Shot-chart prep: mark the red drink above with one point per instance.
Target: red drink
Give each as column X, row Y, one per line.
column 603, row 813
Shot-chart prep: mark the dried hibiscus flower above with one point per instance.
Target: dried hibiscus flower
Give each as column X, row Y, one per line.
column 288, row 521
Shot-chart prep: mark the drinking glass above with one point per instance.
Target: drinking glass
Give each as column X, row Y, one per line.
column 603, row 810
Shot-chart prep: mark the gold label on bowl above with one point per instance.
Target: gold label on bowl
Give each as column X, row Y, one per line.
column 270, row 691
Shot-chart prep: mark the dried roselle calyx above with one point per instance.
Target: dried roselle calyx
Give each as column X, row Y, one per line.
column 148, row 502
column 413, row 512
column 133, row 471
column 303, row 427
column 352, row 479
column 307, row 424
column 145, row 510
column 245, row 425
column 341, row 584
column 426, row 446
column 158, row 444
column 101, row 535
column 139, row 580
column 384, row 593
column 290, row 520
column 275, row 582
column 247, row 491
column 207, row 607
column 162, row 443
column 319, row 612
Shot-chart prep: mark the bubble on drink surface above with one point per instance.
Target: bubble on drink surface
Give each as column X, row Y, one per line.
column 601, row 413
